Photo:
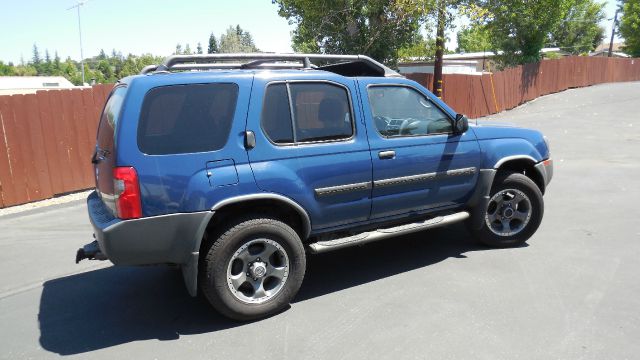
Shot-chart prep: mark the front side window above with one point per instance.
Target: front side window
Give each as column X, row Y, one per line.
column 321, row 112
column 186, row 118
column 403, row 111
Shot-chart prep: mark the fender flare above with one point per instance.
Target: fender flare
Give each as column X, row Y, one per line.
column 190, row 268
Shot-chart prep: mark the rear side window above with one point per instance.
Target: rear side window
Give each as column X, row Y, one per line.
column 321, row 112
column 109, row 118
column 276, row 114
column 186, row 118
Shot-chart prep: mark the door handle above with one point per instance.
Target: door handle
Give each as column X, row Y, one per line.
column 388, row 154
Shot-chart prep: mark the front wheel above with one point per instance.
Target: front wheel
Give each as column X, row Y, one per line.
column 514, row 211
column 254, row 269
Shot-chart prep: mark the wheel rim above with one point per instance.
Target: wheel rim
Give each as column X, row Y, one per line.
column 508, row 212
column 257, row 271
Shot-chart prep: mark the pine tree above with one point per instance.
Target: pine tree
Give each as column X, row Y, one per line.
column 199, row 48
column 213, row 45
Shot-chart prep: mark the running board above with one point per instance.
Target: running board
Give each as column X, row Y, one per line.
column 375, row 235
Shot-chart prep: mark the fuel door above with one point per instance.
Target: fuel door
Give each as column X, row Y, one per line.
column 222, row 173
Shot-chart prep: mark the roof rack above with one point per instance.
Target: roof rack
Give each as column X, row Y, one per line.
column 347, row 65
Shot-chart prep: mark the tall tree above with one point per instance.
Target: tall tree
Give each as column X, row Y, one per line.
column 213, row 44
column 199, row 49
column 378, row 28
column 36, row 59
column 580, row 30
column 473, row 38
column 187, row 50
column 630, row 27
column 421, row 49
column 178, row 49
column 521, row 28
column 236, row 40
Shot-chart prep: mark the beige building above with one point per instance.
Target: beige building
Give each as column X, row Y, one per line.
column 12, row 85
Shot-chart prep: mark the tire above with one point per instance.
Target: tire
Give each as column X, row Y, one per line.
column 232, row 274
column 502, row 227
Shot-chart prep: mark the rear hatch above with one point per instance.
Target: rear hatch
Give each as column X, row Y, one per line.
column 104, row 155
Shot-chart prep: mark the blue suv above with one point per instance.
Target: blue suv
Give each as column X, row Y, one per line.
column 234, row 166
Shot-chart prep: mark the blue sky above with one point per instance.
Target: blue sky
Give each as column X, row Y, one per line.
column 137, row 26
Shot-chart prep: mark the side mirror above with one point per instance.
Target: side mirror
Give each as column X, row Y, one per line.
column 461, row 124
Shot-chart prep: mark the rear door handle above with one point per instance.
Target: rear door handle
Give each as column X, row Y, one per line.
column 388, row 154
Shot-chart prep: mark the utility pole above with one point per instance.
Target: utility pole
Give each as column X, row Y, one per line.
column 77, row 6
column 613, row 32
column 437, row 66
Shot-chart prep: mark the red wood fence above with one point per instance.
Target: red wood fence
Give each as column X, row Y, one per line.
column 473, row 95
column 46, row 139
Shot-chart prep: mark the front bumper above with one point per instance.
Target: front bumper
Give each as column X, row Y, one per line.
column 545, row 169
column 160, row 239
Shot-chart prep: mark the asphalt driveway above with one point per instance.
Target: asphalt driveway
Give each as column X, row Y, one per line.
column 572, row 293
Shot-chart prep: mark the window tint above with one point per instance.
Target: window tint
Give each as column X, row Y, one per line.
column 402, row 111
column 321, row 111
column 186, row 118
column 109, row 118
column 276, row 115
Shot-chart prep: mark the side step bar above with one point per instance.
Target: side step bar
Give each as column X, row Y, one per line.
column 375, row 235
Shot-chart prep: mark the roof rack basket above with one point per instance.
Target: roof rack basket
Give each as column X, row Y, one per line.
column 339, row 63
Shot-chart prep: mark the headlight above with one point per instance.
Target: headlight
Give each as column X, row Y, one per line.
column 546, row 142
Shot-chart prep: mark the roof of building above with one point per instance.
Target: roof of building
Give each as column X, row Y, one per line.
column 34, row 82
column 480, row 55
column 605, row 46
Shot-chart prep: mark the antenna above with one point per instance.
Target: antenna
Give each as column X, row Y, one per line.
column 77, row 6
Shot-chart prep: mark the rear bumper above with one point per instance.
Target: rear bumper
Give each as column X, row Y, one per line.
column 161, row 239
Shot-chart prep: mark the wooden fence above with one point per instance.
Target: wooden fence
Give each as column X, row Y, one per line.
column 47, row 138
column 46, row 141
column 475, row 96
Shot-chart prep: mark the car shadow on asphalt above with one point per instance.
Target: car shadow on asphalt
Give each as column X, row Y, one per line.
column 116, row 305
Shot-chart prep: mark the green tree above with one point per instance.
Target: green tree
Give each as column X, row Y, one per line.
column 473, row 38
column 178, row 49
column 187, row 50
column 579, row 32
column 378, row 28
column 7, row 69
column 236, row 40
column 630, row 27
column 199, row 49
column 57, row 65
column 520, row 28
column 213, row 45
column 419, row 50
column 36, row 60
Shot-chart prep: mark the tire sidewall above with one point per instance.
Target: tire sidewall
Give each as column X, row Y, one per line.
column 522, row 183
column 216, row 288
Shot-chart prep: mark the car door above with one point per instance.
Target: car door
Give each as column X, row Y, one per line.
column 311, row 146
column 419, row 163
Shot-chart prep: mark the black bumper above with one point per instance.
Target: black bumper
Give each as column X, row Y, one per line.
column 160, row 239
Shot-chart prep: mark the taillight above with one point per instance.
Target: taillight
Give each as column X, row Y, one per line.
column 127, row 193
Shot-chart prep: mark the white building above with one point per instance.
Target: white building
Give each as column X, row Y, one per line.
column 474, row 63
column 12, row 85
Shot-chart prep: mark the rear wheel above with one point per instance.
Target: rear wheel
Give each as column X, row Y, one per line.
column 514, row 211
column 254, row 269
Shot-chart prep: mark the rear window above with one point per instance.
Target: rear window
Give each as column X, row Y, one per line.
column 186, row 118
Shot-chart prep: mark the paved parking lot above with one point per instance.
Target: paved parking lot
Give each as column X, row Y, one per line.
column 572, row 293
